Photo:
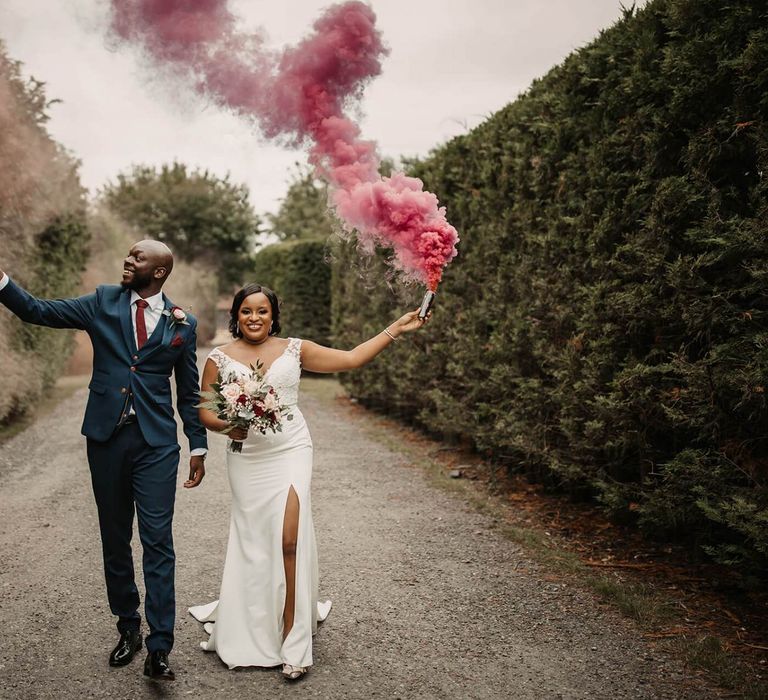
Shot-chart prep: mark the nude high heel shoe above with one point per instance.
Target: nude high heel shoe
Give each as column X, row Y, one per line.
column 292, row 673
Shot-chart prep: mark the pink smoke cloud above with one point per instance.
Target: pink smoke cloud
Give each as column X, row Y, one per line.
column 300, row 94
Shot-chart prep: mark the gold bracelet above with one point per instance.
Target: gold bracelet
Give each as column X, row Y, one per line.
column 386, row 330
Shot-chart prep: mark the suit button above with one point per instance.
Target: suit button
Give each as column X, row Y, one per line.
column 123, row 390
column 133, row 369
column 135, row 357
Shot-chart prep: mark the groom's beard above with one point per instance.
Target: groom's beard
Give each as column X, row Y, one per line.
column 138, row 281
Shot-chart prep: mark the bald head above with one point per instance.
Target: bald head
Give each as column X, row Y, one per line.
column 147, row 267
column 159, row 252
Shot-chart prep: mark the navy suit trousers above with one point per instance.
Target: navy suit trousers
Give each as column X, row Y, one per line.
column 128, row 476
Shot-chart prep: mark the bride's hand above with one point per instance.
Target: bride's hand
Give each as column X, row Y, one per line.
column 238, row 434
column 408, row 322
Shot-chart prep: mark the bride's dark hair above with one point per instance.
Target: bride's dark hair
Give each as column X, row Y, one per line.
column 237, row 302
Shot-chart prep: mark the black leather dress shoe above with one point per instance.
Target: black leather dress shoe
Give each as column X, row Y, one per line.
column 156, row 666
column 123, row 653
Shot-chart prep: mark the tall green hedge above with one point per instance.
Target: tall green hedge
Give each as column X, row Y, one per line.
column 56, row 266
column 605, row 327
column 300, row 275
column 43, row 236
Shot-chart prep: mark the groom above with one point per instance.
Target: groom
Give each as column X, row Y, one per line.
column 139, row 337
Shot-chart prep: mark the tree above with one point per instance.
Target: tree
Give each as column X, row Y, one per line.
column 303, row 211
column 202, row 217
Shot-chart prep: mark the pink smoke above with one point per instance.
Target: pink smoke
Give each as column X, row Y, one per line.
column 300, row 94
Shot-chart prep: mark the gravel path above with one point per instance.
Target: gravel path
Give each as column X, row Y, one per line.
column 429, row 600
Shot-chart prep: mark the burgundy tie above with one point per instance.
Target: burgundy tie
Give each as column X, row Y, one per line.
column 141, row 326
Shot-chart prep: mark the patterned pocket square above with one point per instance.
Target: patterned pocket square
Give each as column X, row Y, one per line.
column 177, row 340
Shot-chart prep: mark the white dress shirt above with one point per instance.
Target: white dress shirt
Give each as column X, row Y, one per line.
column 152, row 315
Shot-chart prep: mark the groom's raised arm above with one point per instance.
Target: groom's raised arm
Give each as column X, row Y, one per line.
column 54, row 313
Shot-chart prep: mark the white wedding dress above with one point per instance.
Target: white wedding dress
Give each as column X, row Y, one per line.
column 246, row 622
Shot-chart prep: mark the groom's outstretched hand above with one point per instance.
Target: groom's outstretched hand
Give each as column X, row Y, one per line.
column 196, row 472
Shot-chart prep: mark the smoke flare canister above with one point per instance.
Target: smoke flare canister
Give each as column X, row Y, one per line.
column 426, row 303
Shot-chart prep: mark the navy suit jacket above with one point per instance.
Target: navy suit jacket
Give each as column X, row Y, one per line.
column 121, row 371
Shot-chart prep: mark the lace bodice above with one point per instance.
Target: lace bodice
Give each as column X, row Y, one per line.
column 283, row 374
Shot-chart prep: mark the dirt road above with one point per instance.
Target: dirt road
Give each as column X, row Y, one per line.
column 429, row 600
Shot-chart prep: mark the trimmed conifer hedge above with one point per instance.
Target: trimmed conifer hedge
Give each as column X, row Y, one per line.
column 300, row 275
column 605, row 327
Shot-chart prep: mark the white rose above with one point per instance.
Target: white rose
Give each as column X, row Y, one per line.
column 231, row 391
column 251, row 387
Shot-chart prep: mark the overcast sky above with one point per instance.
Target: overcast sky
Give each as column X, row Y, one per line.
column 452, row 64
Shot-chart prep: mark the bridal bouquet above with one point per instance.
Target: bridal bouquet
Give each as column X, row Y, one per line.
column 246, row 402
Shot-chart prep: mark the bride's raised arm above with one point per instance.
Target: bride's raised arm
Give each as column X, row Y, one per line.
column 318, row 358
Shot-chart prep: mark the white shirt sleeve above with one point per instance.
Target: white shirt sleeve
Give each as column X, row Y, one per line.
column 4, row 282
column 198, row 452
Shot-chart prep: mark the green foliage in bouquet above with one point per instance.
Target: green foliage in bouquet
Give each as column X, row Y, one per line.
column 605, row 326
column 300, row 275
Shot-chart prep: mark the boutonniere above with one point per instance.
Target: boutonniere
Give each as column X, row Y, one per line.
column 176, row 316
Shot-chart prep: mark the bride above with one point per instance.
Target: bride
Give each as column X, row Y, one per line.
column 268, row 607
